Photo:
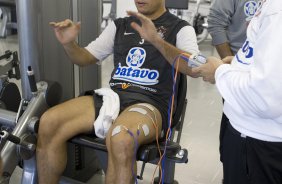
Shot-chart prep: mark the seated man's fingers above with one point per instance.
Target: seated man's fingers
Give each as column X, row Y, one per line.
column 140, row 16
column 136, row 27
column 132, row 13
column 55, row 24
column 67, row 23
column 62, row 24
column 52, row 24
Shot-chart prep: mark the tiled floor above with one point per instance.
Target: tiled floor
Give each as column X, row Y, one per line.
column 200, row 131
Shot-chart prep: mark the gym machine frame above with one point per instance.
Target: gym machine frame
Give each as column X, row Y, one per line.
column 36, row 100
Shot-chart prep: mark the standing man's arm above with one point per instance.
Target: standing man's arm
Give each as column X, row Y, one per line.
column 219, row 19
column 224, row 50
column 250, row 84
column 170, row 52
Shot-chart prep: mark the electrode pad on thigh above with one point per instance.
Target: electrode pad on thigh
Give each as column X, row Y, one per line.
column 137, row 109
column 147, row 105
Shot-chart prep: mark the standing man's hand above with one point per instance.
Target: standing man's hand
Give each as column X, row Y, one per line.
column 66, row 31
column 207, row 71
column 227, row 60
column 147, row 30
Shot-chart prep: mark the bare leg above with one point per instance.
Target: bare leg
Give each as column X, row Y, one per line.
column 57, row 125
column 110, row 174
column 122, row 145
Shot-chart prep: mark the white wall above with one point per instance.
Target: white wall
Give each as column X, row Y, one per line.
column 123, row 6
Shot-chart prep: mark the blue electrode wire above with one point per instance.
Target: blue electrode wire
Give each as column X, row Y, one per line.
column 184, row 58
column 169, row 114
column 169, row 108
column 135, row 151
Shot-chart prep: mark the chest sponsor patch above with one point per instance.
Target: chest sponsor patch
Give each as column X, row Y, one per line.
column 133, row 71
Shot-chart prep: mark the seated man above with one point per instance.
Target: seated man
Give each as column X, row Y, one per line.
column 142, row 78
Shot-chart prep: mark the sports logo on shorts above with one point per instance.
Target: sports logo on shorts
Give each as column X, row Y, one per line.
column 250, row 9
column 133, row 71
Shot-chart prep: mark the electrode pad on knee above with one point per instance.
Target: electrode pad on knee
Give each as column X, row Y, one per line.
column 144, row 127
column 116, row 130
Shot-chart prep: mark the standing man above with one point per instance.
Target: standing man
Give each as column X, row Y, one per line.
column 144, row 47
column 227, row 24
column 251, row 86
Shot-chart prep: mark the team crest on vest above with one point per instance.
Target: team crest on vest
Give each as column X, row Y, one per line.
column 136, row 57
column 133, row 71
column 250, row 9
